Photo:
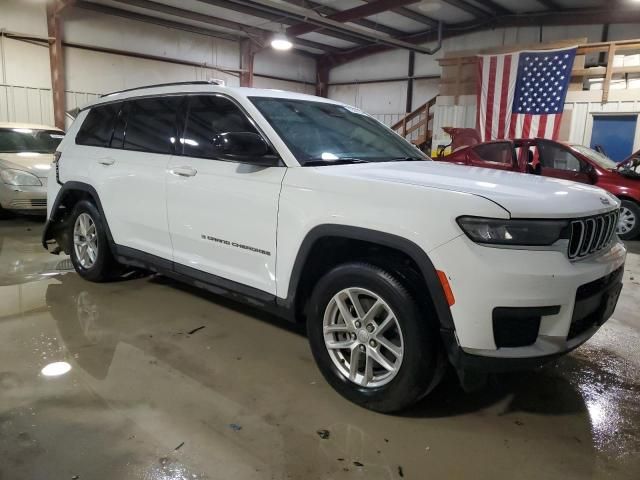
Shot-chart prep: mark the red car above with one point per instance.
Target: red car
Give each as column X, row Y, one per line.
column 559, row 160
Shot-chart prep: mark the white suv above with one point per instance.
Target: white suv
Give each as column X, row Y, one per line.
column 313, row 210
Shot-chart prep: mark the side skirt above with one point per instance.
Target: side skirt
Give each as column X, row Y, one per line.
column 206, row 281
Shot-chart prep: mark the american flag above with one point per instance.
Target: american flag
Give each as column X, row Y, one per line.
column 522, row 94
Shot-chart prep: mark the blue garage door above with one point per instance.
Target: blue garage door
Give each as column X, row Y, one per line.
column 615, row 134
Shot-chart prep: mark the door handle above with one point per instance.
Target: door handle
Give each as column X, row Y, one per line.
column 184, row 171
column 106, row 161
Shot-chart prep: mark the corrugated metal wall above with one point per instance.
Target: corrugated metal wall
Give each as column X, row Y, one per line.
column 35, row 105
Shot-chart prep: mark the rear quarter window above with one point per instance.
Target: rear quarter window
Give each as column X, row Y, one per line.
column 97, row 128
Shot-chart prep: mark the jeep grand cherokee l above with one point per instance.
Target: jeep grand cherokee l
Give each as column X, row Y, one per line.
column 313, row 210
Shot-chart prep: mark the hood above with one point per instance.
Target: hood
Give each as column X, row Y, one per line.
column 523, row 195
column 38, row 164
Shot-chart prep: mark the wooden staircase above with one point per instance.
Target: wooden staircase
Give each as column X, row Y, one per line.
column 417, row 126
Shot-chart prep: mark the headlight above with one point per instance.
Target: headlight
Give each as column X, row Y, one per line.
column 498, row 231
column 19, row 178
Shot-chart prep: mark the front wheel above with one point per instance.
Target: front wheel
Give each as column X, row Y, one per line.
column 629, row 221
column 90, row 253
column 371, row 339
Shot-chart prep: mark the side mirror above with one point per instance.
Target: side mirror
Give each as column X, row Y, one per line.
column 244, row 146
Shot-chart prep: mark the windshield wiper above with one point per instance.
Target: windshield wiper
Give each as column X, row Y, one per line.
column 407, row 159
column 339, row 161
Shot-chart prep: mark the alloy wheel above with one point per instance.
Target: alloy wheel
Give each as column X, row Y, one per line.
column 85, row 240
column 363, row 337
column 626, row 221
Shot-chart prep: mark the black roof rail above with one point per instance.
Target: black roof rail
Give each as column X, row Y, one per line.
column 170, row 84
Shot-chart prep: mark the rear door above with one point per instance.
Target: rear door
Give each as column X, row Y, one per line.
column 497, row 155
column 131, row 175
column 558, row 161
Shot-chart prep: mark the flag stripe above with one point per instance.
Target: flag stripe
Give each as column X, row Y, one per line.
column 504, row 96
column 542, row 125
column 491, row 90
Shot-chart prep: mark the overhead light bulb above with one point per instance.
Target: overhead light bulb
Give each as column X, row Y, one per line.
column 281, row 42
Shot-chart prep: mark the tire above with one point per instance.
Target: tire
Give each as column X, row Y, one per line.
column 629, row 223
column 101, row 267
column 418, row 368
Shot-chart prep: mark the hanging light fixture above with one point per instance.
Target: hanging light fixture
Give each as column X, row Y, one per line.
column 281, row 42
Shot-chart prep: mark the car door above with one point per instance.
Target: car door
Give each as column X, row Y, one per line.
column 131, row 175
column 497, row 155
column 222, row 213
column 559, row 162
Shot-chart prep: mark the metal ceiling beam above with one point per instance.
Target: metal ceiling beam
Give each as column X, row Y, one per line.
column 273, row 17
column 413, row 15
column 564, row 17
column 309, row 16
column 117, row 12
column 361, row 11
column 261, row 33
column 363, row 22
column 495, row 7
column 550, row 4
column 468, row 7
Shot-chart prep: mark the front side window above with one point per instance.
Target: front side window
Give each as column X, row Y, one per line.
column 321, row 133
column 151, row 124
column 209, row 116
column 16, row 140
column 555, row 156
column 97, row 128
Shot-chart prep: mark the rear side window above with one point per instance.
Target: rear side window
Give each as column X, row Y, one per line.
column 97, row 128
column 209, row 116
column 151, row 124
column 499, row 152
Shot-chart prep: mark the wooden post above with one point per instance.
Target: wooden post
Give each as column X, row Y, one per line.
column 56, row 60
column 247, row 55
column 607, row 78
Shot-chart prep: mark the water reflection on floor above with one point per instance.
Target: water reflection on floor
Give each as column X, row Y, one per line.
column 242, row 398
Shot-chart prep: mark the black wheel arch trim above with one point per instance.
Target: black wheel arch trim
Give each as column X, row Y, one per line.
column 417, row 254
column 53, row 222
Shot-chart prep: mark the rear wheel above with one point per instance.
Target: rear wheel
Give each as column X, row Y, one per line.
column 629, row 221
column 371, row 339
column 90, row 253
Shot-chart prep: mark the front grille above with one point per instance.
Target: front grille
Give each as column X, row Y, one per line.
column 39, row 203
column 592, row 234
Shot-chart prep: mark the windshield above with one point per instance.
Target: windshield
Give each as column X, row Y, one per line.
column 15, row 140
column 320, row 133
column 601, row 160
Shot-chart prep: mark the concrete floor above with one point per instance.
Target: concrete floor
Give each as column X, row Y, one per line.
column 241, row 398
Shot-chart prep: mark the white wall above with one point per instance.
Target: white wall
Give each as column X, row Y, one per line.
column 25, row 78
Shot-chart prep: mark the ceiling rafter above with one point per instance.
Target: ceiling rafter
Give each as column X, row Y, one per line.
column 363, row 22
column 495, row 7
column 413, row 15
column 550, row 4
column 355, row 13
column 469, row 8
column 256, row 33
column 273, row 17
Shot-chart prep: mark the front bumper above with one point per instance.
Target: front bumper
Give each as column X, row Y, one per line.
column 24, row 198
column 569, row 301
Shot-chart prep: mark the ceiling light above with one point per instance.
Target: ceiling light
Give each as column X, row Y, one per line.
column 281, row 42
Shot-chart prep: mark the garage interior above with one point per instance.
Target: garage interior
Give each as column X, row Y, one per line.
column 171, row 382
